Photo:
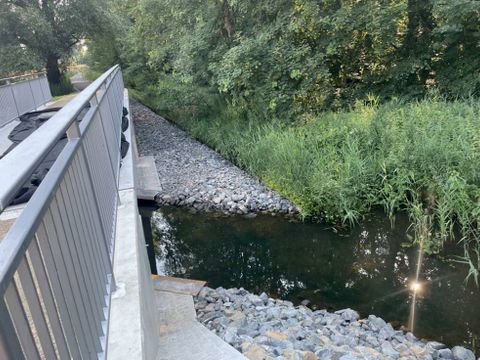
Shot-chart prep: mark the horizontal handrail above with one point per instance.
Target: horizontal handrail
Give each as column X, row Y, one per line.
column 17, row 166
column 36, row 75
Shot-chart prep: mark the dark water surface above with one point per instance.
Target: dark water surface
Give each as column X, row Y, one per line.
column 366, row 269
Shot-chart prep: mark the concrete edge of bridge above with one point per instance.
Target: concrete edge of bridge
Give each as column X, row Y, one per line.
column 133, row 326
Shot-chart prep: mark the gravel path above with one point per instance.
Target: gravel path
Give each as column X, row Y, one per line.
column 193, row 175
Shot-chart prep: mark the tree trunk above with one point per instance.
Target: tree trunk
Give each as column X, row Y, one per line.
column 53, row 71
column 418, row 40
column 227, row 19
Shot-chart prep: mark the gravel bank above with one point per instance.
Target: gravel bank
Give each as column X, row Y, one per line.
column 195, row 176
column 264, row 329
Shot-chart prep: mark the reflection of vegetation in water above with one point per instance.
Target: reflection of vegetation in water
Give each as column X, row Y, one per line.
column 169, row 255
column 366, row 269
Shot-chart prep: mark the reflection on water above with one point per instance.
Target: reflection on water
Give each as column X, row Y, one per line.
column 367, row 269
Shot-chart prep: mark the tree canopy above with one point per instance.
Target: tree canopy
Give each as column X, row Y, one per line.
column 304, row 55
column 42, row 32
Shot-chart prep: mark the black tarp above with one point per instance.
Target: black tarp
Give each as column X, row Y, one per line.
column 28, row 124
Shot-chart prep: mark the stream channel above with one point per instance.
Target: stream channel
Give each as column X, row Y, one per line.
column 369, row 268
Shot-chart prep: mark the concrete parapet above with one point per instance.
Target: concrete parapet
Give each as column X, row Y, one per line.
column 133, row 332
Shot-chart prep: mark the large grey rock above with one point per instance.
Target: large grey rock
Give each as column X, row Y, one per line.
column 348, row 357
column 445, row 354
column 388, row 350
column 460, row 353
column 230, row 335
column 386, row 332
column 410, row 337
column 264, row 297
column 402, row 349
column 238, row 197
column 323, row 354
column 435, row 345
column 376, row 323
column 348, row 315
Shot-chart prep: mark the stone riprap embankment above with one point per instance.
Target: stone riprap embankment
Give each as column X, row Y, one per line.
column 264, row 329
column 193, row 175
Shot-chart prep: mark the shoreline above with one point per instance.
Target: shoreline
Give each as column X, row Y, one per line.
column 195, row 176
column 264, row 328
column 228, row 202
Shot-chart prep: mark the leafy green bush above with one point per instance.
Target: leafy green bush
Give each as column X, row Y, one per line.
column 63, row 88
column 91, row 74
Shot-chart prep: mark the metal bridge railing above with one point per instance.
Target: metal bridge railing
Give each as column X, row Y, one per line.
column 21, row 94
column 56, row 260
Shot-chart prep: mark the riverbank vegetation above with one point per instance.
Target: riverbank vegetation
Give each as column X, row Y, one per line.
column 341, row 106
column 420, row 157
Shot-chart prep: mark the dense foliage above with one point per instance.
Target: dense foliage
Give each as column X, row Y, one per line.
column 296, row 56
column 275, row 85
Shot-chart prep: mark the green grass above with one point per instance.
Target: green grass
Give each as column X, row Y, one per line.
column 90, row 74
column 421, row 157
column 65, row 87
column 87, row 72
column 58, row 97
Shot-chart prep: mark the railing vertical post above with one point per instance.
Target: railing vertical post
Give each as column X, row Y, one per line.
column 33, row 95
column 9, row 84
column 113, row 113
column 9, row 342
column 44, row 97
column 94, row 102
column 73, row 132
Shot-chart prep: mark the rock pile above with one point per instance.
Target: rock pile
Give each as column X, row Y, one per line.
column 264, row 329
column 195, row 176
